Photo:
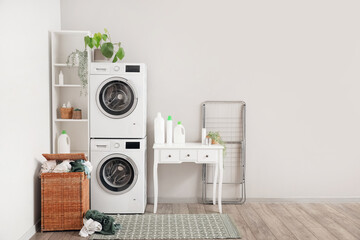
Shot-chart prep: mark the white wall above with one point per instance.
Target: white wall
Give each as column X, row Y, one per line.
column 295, row 63
column 24, row 109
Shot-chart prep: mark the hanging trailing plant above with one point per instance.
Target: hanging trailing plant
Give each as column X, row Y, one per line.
column 103, row 42
column 80, row 59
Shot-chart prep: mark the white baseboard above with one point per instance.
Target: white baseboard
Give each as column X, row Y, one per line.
column 272, row 200
column 29, row 233
column 305, row 200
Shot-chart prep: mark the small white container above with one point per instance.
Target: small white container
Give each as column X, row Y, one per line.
column 61, row 78
column 169, row 130
column 159, row 129
column 203, row 136
column 63, row 143
column 179, row 134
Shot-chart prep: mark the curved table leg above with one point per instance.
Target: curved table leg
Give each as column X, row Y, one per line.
column 216, row 167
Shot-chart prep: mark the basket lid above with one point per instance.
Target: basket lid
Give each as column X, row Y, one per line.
column 65, row 156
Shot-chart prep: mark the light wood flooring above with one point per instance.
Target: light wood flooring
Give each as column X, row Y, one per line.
column 269, row 220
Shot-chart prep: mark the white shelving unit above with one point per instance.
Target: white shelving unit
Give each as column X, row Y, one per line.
column 62, row 44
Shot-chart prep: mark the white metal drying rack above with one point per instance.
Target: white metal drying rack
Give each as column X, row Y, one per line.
column 227, row 118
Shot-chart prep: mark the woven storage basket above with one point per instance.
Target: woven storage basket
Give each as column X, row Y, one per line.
column 66, row 113
column 64, row 197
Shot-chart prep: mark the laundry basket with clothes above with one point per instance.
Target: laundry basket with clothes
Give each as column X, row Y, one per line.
column 64, row 191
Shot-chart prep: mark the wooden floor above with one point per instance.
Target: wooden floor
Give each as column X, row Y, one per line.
column 269, row 220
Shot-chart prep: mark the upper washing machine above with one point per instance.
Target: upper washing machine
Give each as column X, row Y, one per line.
column 117, row 100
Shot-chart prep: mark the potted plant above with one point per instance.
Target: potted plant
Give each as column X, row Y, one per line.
column 102, row 44
column 104, row 47
column 216, row 139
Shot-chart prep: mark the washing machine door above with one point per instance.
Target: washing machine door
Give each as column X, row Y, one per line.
column 117, row 173
column 116, row 97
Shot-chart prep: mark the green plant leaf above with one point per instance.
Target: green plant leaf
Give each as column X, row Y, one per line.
column 105, row 30
column 104, row 37
column 115, row 59
column 88, row 41
column 107, row 49
column 120, row 53
column 97, row 38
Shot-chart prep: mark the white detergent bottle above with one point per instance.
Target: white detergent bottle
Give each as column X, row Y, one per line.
column 61, row 78
column 179, row 133
column 63, row 143
column 169, row 130
column 159, row 129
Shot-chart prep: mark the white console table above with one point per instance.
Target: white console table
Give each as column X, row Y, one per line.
column 189, row 152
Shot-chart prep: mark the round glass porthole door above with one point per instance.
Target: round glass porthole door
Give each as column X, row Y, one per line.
column 116, row 98
column 117, row 174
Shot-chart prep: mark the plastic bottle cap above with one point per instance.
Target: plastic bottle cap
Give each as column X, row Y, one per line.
column 169, row 118
column 63, row 132
column 179, row 123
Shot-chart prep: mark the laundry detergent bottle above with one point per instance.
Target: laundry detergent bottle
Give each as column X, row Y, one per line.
column 169, row 130
column 159, row 129
column 179, row 133
column 63, row 143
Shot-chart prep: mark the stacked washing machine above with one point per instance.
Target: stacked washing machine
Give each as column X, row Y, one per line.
column 118, row 137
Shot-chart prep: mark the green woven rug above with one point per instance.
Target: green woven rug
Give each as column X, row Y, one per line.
column 173, row 226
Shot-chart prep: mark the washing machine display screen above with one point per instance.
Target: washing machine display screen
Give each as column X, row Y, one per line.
column 117, row 174
column 117, row 98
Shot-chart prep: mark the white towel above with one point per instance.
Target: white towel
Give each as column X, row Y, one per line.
column 90, row 227
column 63, row 167
column 89, row 166
column 48, row 166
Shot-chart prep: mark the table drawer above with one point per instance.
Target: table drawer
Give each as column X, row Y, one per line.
column 188, row 155
column 169, row 156
column 207, row 156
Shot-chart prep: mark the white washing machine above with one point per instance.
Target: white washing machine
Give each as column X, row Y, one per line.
column 117, row 100
column 118, row 180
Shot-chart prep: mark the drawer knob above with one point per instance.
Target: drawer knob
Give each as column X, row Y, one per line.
column 169, row 156
column 207, row 156
column 188, row 155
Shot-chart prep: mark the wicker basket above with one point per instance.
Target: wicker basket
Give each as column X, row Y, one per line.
column 64, row 197
column 66, row 113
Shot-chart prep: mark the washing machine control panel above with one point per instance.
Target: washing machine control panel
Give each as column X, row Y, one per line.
column 116, row 68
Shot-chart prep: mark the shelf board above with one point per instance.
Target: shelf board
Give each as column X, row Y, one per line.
column 64, row 65
column 68, row 86
column 71, row 120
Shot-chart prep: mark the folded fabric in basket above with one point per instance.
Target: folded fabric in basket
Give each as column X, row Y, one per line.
column 48, row 166
column 81, row 166
column 108, row 223
column 64, row 166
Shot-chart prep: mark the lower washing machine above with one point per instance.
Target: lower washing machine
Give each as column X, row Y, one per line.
column 118, row 179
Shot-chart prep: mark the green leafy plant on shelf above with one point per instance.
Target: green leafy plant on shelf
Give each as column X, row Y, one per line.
column 80, row 59
column 103, row 42
column 216, row 139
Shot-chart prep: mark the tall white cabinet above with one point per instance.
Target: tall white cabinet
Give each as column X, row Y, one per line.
column 62, row 44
